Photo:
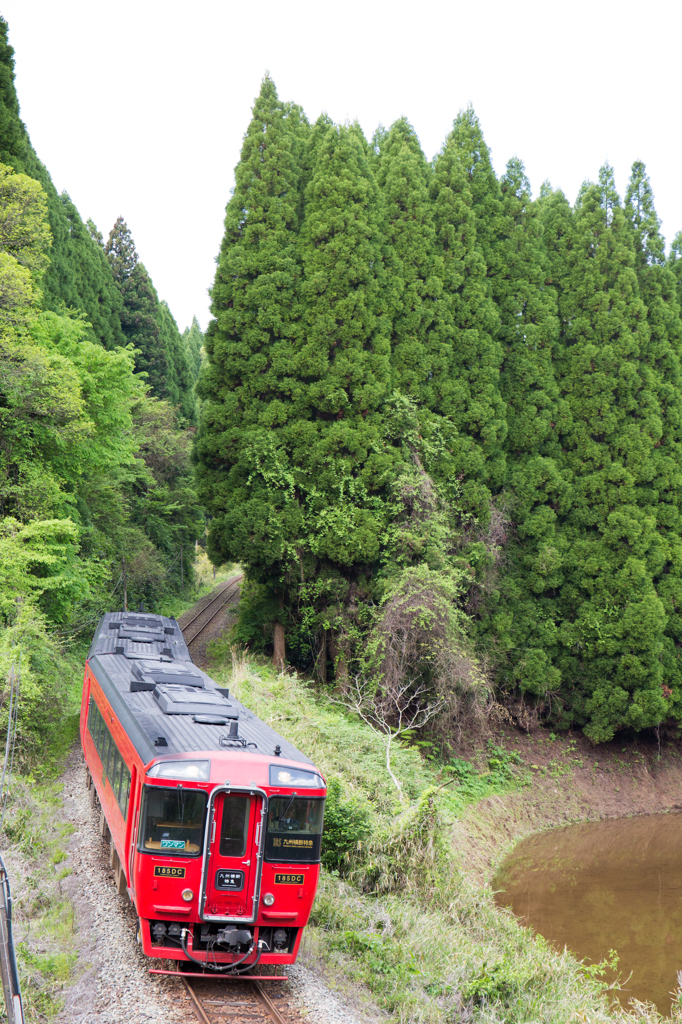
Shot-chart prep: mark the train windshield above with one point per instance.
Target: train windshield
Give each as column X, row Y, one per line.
column 173, row 821
column 294, row 829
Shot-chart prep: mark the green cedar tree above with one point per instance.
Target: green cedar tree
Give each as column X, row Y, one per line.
column 402, row 173
column 194, row 342
column 142, row 328
column 121, row 252
column 293, row 458
column 149, row 324
column 663, row 356
column 674, row 262
column 492, row 219
column 521, row 622
column 248, row 382
column 181, row 384
column 612, row 621
column 470, row 387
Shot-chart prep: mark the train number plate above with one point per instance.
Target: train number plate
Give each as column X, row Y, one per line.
column 289, row 879
column 163, row 871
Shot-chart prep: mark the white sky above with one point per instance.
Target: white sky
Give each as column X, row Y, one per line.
column 138, row 107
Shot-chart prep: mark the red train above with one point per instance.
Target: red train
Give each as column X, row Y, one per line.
column 215, row 819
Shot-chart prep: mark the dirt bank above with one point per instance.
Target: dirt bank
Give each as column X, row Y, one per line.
column 568, row 780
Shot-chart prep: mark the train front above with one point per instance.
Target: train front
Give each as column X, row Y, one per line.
column 227, row 859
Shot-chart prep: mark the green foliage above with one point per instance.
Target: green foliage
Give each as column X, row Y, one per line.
column 148, row 325
column 194, row 343
column 472, row 400
column 502, row 772
column 346, row 829
column 92, row 472
column 427, row 392
column 49, row 690
column 297, row 367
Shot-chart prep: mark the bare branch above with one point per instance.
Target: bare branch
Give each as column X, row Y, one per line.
column 405, row 704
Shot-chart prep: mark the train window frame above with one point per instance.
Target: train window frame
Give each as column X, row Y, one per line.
column 293, row 846
column 232, row 798
column 125, row 791
column 97, row 729
column 146, row 792
column 111, row 752
column 116, row 774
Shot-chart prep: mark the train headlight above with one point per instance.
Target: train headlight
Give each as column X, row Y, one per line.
column 193, row 771
column 268, row 899
column 187, row 895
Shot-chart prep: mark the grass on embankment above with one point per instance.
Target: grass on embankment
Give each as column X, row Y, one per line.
column 398, row 918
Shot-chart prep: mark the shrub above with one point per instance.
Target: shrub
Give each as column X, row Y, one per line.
column 346, row 830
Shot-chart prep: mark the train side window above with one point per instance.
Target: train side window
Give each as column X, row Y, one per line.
column 104, row 746
column 99, row 732
column 116, row 773
column 94, row 727
column 109, row 753
column 234, row 826
column 125, row 792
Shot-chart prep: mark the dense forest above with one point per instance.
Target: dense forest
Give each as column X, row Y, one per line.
column 97, row 416
column 438, row 422
column 442, row 425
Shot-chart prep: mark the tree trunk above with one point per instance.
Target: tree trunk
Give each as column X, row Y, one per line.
column 340, row 659
column 321, row 666
column 279, row 652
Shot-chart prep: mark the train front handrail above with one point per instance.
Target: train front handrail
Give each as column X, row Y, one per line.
column 8, row 959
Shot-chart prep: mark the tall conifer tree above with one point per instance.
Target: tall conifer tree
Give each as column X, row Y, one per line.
column 612, row 620
column 149, row 325
column 662, row 356
column 493, row 225
column 522, row 622
column 194, row 341
column 403, row 175
column 471, row 398
column 248, row 381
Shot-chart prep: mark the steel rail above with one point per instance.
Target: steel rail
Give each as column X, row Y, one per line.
column 262, row 997
column 212, row 601
column 196, row 1003
column 268, row 1003
column 235, row 583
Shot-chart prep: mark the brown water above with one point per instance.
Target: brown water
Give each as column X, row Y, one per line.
column 606, row 885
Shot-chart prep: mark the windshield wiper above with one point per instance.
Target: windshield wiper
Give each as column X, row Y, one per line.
column 283, row 814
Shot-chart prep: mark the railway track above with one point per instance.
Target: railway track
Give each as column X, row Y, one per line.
column 242, row 1002
column 205, row 616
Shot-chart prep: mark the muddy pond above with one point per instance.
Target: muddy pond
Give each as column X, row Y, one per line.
column 606, row 885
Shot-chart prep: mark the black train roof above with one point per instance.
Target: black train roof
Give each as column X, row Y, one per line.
column 142, row 663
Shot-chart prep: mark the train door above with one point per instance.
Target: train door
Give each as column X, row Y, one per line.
column 232, row 869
